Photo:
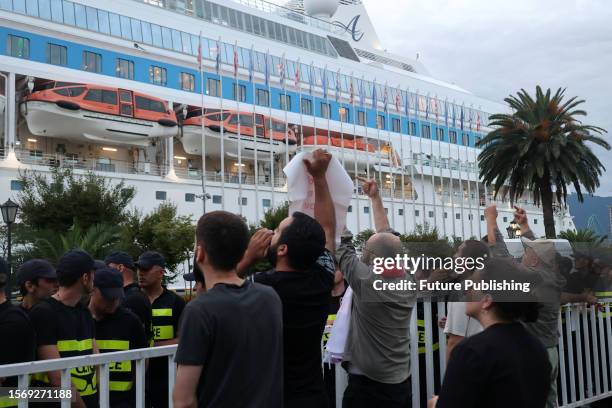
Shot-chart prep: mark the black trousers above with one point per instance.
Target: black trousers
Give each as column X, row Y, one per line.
column 363, row 392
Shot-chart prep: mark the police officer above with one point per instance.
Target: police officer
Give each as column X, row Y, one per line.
column 135, row 299
column 37, row 281
column 64, row 327
column 166, row 309
column 17, row 339
column 117, row 329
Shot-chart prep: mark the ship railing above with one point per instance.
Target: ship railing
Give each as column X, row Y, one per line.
column 585, row 359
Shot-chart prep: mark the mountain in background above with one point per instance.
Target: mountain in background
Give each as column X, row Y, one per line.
column 592, row 206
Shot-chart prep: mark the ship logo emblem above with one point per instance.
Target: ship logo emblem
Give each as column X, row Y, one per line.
column 351, row 28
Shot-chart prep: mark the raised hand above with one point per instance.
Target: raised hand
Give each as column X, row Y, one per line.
column 490, row 213
column 520, row 216
column 369, row 187
column 258, row 245
column 317, row 166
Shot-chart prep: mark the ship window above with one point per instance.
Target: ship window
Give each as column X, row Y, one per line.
column 440, row 134
column 115, row 24
column 149, row 104
column 215, row 116
column 458, row 216
column 157, row 35
column 400, row 211
column 16, row 185
column 431, row 214
column 361, row 118
column 136, row 30
column 76, row 91
column 396, row 125
column 246, row 120
column 68, row 9
column 80, row 16
column 262, row 97
column 465, row 139
column 416, row 213
column 239, row 93
column 284, row 102
column 92, row 62
column 453, row 136
column 146, row 33
column 92, row 18
column 44, row 9
column 103, row 96
column 306, row 106
column 103, row 21
column 187, row 82
column 366, row 210
column 160, row 195
column 190, row 197
column 157, row 75
column 266, row 203
column 345, row 114
column 217, row 199
column 233, row 120
column 426, row 132
column 56, row 54
column 325, row 110
column 18, row 47
column 125, row 68
column 126, row 27
column 413, row 128
column 477, row 140
column 277, row 126
column 380, row 122
column 213, row 87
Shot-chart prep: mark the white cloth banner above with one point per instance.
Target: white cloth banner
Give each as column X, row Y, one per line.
column 334, row 349
column 300, row 189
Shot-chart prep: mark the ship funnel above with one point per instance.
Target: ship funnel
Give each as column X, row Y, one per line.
column 321, row 8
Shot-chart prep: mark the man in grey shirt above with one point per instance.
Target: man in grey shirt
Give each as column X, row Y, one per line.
column 378, row 343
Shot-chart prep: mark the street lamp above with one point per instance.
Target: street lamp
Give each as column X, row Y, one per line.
column 512, row 230
column 9, row 214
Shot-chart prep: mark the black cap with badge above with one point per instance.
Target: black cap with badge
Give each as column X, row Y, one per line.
column 150, row 259
column 109, row 282
column 35, row 269
column 120, row 258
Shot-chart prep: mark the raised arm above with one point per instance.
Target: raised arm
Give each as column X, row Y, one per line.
column 520, row 216
column 257, row 249
column 324, row 206
column 370, row 188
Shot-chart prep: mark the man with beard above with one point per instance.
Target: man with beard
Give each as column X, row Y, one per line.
column 117, row 329
column 37, row 281
column 303, row 276
column 65, row 328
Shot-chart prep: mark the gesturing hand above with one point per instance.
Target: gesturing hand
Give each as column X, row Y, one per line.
column 317, row 166
column 369, row 187
column 490, row 213
column 258, row 245
column 520, row 216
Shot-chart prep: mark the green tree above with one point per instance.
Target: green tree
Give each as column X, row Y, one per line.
column 273, row 217
column 164, row 231
column 64, row 199
column 582, row 236
column 541, row 145
column 361, row 238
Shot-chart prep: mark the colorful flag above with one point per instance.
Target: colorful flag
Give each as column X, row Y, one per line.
column 478, row 121
column 200, row 53
column 236, row 59
column 361, row 93
column 374, row 96
column 470, row 117
column 251, row 65
column 407, row 104
column 461, row 118
column 298, row 73
column 324, row 82
column 435, row 107
column 282, row 72
column 311, row 78
column 267, row 69
column 427, row 107
column 218, row 58
column 398, row 99
column 446, row 112
column 351, row 91
column 338, row 86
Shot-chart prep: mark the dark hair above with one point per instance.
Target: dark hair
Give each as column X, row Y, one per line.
column 224, row 237
column 22, row 287
column 510, row 305
column 305, row 240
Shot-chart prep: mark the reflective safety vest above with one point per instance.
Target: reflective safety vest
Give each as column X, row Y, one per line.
column 83, row 378
column 163, row 329
column 121, row 377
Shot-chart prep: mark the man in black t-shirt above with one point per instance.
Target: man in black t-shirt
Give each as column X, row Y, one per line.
column 19, row 346
column 166, row 309
column 303, row 277
column 65, row 328
column 37, row 281
column 230, row 348
column 117, row 329
column 135, row 299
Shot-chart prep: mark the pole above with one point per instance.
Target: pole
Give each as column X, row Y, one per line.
column 9, row 261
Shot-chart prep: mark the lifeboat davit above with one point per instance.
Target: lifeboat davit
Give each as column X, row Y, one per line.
column 93, row 113
column 251, row 131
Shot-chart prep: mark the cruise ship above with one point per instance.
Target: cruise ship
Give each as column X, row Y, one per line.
column 203, row 103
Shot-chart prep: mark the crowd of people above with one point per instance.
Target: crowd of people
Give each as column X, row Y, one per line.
column 255, row 340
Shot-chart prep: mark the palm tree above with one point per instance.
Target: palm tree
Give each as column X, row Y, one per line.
column 582, row 236
column 539, row 146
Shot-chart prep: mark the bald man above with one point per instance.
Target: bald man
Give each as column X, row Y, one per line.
column 378, row 344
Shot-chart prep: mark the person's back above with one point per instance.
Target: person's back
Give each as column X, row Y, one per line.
column 235, row 332
column 504, row 366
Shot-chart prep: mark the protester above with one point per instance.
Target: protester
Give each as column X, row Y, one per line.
column 378, row 344
column 37, row 281
column 17, row 342
column 166, row 309
column 459, row 325
column 117, row 329
column 230, row 348
column 134, row 300
column 303, row 277
column 65, row 328
column 504, row 366
column 540, row 257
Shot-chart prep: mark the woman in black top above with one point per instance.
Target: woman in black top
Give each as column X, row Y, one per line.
column 504, row 366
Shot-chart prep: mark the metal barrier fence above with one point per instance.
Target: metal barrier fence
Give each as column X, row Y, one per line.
column 585, row 359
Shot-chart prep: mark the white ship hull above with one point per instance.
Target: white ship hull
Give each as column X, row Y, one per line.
column 47, row 119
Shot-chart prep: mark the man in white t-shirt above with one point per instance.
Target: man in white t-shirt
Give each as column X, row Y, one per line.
column 458, row 324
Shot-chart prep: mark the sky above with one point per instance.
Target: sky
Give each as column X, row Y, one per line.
column 494, row 48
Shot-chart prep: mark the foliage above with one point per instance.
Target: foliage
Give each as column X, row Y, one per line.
column 63, row 200
column 360, row 239
column 422, row 233
column 541, row 145
column 582, row 236
column 425, row 240
column 274, row 216
column 162, row 230
column 97, row 240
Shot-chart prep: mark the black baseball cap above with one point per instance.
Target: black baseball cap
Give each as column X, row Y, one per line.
column 34, row 269
column 120, row 258
column 98, row 264
column 109, row 282
column 75, row 262
column 189, row 277
column 150, row 259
